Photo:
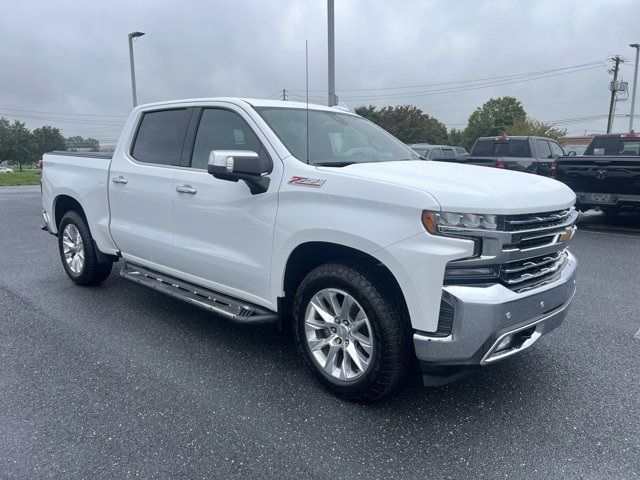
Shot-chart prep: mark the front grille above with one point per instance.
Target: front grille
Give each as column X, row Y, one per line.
column 535, row 221
column 536, row 269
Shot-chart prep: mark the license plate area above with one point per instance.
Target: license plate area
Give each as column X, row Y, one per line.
column 601, row 198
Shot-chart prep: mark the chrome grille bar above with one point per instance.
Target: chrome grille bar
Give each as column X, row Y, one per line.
column 532, row 269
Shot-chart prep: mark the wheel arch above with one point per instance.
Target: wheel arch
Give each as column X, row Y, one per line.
column 64, row 203
column 309, row 255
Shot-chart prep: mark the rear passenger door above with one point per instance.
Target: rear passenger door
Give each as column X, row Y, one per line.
column 223, row 234
column 141, row 183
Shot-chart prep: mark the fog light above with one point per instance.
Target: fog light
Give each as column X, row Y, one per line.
column 504, row 343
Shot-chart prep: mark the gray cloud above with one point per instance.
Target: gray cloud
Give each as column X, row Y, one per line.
column 71, row 56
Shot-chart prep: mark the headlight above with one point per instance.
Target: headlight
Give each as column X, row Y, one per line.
column 436, row 222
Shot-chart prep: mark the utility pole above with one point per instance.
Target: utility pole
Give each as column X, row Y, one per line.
column 133, row 35
column 332, row 57
column 284, row 94
column 635, row 83
column 613, row 88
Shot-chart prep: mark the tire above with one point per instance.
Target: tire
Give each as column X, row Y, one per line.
column 388, row 357
column 83, row 267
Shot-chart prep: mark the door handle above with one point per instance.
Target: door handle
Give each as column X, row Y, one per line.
column 119, row 179
column 186, row 189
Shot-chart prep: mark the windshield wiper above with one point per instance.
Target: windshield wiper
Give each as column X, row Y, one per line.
column 334, row 164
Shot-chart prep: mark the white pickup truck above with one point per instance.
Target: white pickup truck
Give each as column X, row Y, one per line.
column 316, row 219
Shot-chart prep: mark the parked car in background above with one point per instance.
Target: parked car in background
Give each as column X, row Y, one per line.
column 6, row 170
column 439, row 152
column 574, row 149
column 607, row 176
column 522, row 154
column 375, row 258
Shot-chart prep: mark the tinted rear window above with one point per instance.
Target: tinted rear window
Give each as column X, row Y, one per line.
column 448, row 152
column 508, row 148
column 614, row 146
column 160, row 137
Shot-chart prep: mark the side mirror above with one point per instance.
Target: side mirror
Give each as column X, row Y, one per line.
column 234, row 165
column 572, row 153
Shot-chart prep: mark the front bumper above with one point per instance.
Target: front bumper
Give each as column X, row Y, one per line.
column 485, row 315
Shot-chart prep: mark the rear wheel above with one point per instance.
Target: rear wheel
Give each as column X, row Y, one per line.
column 351, row 331
column 78, row 253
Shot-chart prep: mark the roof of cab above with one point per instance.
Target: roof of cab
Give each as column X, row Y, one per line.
column 254, row 102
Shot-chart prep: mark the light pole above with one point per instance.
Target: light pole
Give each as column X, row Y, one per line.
column 635, row 83
column 133, row 35
column 332, row 57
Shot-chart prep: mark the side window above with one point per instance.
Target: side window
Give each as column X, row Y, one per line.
column 556, row 149
column 543, row 148
column 221, row 130
column 448, row 152
column 160, row 137
column 435, row 153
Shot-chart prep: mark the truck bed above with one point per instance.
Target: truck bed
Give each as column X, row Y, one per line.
column 103, row 155
column 601, row 181
column 84, row 176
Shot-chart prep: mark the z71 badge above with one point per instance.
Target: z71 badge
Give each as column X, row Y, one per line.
column 307, row 182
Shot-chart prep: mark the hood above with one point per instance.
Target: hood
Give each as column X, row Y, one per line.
column 470, row 188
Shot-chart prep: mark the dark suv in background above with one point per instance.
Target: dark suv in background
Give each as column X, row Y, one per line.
column 523, row 154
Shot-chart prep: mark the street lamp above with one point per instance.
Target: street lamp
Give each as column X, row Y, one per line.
column 635, row 83
column 133, row 35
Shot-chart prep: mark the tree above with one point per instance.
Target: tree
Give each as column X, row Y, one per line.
column 529, row 126
column 49, row 139
column 17, row 143
column 455, row 138
column 492, row 119
column 407, row 122
column 370, row 113
column 76, row 142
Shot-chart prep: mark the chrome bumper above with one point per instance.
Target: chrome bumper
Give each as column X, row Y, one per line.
column 485, row 315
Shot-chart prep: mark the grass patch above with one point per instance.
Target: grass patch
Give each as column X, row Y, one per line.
column 28, row 177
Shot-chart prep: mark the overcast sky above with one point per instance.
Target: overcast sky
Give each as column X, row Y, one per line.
column 68, row 57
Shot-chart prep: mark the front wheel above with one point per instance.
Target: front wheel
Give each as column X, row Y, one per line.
column 78, row 253
column 351, row 331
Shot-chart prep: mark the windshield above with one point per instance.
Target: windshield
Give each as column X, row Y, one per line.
column 334, row 138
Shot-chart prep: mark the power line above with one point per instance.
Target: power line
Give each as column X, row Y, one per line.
column 64, row 113
column 465, row 88
column 68, row 120
column 457, row 82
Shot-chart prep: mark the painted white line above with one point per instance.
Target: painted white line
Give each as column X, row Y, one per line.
column 637, row 335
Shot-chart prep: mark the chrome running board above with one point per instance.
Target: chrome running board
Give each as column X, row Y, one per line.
column 231, row 308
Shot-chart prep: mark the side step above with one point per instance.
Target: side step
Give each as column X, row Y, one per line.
column 235, row 310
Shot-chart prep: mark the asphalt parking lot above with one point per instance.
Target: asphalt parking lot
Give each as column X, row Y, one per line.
column 120, row 382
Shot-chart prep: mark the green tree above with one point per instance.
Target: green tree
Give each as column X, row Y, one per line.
column 528, row 126
column 370, row 113
column 455, row 138
column 49, row 139
column 76, row 142
column 17, row 143
column 492, row 119
column 407, row 122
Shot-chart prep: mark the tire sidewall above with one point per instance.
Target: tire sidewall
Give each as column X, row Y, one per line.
column 72, row 218
column 314, row 283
